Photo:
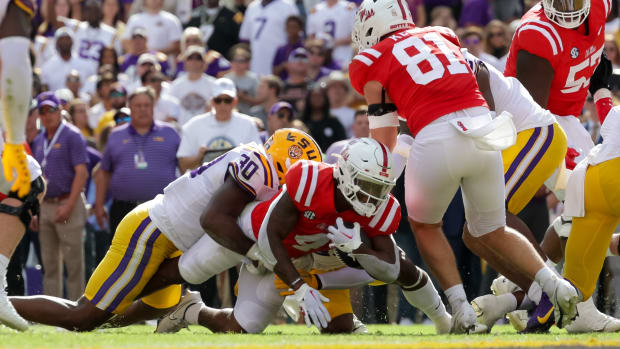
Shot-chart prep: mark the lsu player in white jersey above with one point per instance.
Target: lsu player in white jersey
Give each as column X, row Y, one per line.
column 21, row 196
column 210, row 197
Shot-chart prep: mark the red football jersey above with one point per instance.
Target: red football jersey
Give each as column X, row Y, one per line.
column 573, row 53
column 423, row 72
column 311, row 186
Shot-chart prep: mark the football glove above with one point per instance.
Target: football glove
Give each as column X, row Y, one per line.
column 14, row 159
column 345, row 239
column 601, row 75
column 311, row 303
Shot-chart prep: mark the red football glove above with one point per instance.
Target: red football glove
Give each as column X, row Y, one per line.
column 571, row 154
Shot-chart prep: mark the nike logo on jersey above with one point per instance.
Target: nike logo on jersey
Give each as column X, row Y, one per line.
column 545, row 318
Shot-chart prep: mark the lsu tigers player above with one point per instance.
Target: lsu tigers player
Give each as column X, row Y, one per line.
column 307, row 216
column 209, row 197
column 554, row 52
column 592, row 200
column 21, row 180
column 423, row 71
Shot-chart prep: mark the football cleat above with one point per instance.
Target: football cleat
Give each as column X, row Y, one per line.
column 443, row 325
column 8, row 315
column 542, row 318
column 590, row 319
column 358, row 326
column 488, row 310
column 518, row 319
column 174, row 321
column 502, row 285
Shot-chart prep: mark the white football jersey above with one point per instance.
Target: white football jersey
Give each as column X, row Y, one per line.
column 511, row 96
column 336, row 20
column 263, row 27
column 177, row 212
column 90, row 41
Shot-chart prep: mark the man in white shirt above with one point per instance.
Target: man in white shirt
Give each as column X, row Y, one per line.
column 336, row 18
column 92, row 36
column 163, row 27
column 263, row 27
column 208, row 135
column 194, row 89
column 54, row 72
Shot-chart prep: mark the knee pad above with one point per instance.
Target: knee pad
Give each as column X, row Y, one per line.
column 30, row 203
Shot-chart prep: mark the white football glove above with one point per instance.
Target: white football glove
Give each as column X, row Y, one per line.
column 311, row 302
column 345, row 239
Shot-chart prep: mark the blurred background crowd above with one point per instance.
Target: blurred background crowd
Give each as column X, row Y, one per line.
column 147, row 89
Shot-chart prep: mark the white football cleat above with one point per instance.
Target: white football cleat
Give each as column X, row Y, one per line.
column 590, row 319
column 488, row 310
column 174, row 321
column 8, row 315
column 502, row 285
column 518, row 319
column 358, row 326
column 443, row 325
column 564, row 298
column 464, row 320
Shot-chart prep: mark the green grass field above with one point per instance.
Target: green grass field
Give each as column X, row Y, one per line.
column 296, row 336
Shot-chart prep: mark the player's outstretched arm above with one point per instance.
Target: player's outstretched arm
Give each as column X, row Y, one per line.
column 380, row 259
column 219, row 219
column 536, row 75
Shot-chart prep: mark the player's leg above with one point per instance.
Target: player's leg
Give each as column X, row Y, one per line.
column 15, row 89
column 590, row 235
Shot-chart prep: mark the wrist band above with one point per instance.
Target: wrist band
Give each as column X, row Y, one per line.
column 295, row 281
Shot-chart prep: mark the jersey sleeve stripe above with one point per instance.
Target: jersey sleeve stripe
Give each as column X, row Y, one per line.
column 544, row 33
column 315, row 175
column 302, row 182
column 363, row 59
column 235, row 173
column 607, row 4
column 390, row 217
column 377, row 217
column 372, row 52
column 550, row 28
column 266, row 169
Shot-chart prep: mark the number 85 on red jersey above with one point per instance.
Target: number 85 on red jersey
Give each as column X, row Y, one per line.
column 423, row 72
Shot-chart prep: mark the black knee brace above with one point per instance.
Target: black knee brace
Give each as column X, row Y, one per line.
column 30, row 203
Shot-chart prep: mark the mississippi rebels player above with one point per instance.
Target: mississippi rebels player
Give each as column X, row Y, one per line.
column 554, row 52
column 423, row 71
column 307, row 216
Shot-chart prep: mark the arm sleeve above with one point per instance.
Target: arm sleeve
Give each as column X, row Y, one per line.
column 358, row 71
column 538, row 40
column 245, row 32
column 176, row 30
column 386, row 221
column 188, row 145
column 77, row 150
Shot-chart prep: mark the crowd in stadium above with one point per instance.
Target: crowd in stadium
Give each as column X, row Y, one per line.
column 221, row 73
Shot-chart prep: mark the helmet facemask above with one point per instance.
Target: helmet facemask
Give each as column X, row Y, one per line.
column 567, row 13
column 365, row 193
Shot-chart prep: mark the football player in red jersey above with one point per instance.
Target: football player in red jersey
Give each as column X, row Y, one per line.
column 554, row 53
column 307, row 216
column 456, row 144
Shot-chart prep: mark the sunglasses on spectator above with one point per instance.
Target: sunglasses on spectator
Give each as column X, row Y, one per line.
column 284, row 115
column 316, row 52
column 471, row 41
column 226, row 100
column 73, row 79
column 299, row 58
column 117, row 94
column 492, row 35
column 241, row 60
column 194, row 58
column 122, row 119
column 47, row 110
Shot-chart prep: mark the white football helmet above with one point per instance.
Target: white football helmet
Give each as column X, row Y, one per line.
column 377, row 18
column 567, row 13
column 364, row 175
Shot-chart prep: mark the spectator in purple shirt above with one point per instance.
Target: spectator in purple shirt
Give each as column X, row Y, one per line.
column 138, row 161
column 61, row 151
column 294, row 31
